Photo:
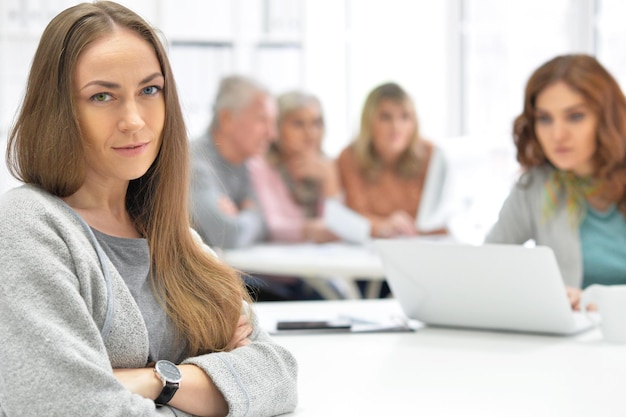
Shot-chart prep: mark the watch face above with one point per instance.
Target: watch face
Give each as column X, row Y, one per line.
column 168, row 370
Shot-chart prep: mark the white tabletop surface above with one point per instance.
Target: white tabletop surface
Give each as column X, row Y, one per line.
column 449, row 372
column 316, row 263
column 330, row 259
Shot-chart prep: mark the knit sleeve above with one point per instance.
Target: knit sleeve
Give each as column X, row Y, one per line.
column 256, row 380
column 515, row 223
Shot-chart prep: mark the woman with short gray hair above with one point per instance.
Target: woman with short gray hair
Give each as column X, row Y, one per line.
column 293, row 179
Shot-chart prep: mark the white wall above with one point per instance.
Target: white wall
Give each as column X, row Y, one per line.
column 464, row 61
column 368, row 42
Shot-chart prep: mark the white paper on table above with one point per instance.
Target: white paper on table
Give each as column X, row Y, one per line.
column 373, row 323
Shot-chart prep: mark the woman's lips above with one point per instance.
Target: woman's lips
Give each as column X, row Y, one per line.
column 562, row 151
column 132, row 150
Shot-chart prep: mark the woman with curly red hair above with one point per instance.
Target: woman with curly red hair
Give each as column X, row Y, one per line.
column 571, row 144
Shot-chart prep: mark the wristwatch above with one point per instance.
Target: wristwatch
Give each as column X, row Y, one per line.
column 170, row 376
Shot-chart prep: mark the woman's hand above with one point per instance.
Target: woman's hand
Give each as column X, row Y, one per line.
column 309, row 165
column 315, row 231
column 574, row 294
column 242, row 334
column 399, row 223
column 312, row 165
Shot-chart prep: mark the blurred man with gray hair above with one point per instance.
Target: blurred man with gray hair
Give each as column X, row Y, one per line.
column 224, row 208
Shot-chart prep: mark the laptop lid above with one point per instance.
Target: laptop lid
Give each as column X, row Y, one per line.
column 493, row 286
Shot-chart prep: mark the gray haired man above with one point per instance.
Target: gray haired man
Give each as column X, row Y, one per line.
column 224, row 209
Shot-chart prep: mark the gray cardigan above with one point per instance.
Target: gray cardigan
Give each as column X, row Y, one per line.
column 64, row 324
column 521, row 219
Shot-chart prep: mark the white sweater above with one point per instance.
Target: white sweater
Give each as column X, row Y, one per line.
column 64, row 326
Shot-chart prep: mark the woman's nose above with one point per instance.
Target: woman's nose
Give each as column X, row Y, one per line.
column 131, row 120
column 559, row 131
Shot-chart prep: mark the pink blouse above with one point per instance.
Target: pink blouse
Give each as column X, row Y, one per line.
column 283, row 216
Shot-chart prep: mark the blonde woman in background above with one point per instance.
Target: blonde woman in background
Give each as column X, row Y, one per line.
column 382, row 171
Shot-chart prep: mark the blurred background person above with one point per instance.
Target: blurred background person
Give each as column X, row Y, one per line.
column 291, row 183
column 224, row 208
column 571, row 145
column 294, row 178
column 382, row 171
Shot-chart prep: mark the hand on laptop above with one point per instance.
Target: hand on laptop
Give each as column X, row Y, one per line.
column 573, row 294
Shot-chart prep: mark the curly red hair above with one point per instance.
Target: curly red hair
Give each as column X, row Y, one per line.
column 602, row 93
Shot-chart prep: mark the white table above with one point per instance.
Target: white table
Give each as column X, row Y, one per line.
column 316, row 263
column 438, row 372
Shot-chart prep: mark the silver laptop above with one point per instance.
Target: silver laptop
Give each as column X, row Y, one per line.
column 496, row 287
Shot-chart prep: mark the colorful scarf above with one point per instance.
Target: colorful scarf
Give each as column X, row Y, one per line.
column 576, row 189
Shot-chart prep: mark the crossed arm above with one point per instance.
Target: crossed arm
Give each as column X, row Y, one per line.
column 197, row 394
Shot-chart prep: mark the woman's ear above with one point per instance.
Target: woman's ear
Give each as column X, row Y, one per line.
column 225, row 118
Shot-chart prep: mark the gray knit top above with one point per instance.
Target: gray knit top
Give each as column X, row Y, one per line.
column 67, row 318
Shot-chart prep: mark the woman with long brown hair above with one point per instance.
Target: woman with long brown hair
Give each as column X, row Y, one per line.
column 110, row 302
column 571, row 145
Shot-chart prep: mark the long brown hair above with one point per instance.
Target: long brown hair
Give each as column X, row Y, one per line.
column 602, row 93
column 411, row 160
column 201, row 295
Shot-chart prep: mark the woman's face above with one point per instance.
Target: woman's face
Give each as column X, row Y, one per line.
column 301, row 130
column 392, row 129
column 118, row 89
column 566, row 128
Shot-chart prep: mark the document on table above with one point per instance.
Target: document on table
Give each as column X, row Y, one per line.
column 340, row 323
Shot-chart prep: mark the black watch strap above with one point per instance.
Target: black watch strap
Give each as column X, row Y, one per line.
column 167, row 393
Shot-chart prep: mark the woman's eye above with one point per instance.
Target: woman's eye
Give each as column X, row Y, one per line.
column 543, row 119
column 101, row 97
column 153, row 89
column 576, row 116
